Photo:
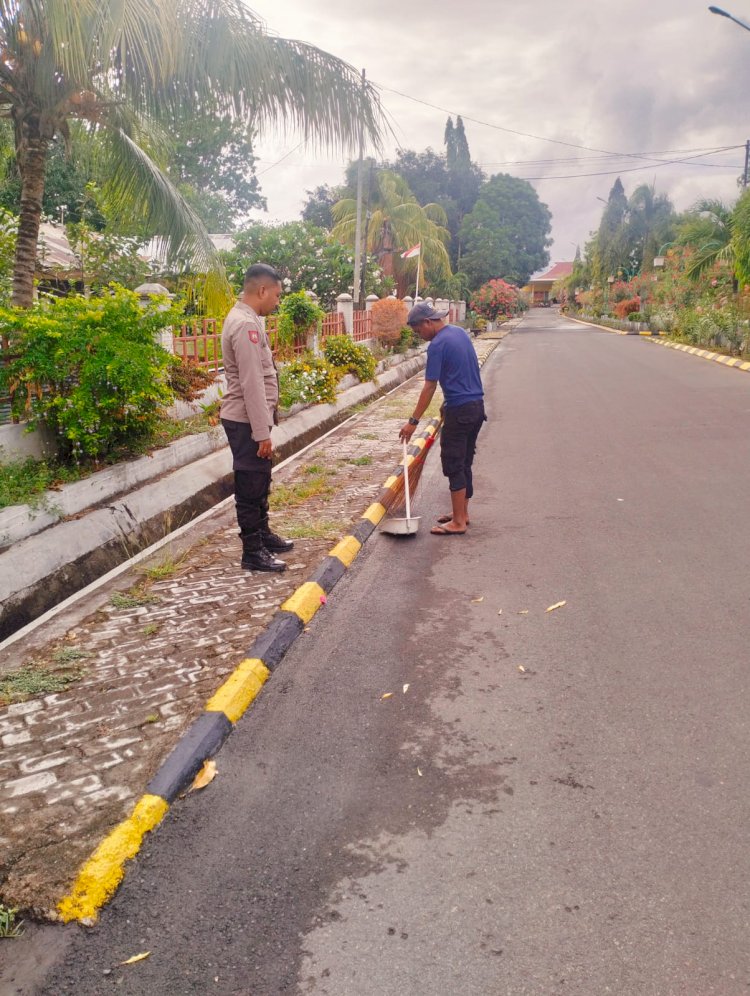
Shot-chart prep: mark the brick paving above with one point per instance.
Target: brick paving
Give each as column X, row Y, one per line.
column 73, row 762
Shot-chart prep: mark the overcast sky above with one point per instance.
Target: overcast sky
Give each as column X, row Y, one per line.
column 644, row 77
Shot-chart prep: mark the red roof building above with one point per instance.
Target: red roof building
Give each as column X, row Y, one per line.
column 540, row 284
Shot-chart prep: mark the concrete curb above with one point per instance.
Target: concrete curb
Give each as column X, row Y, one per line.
column 606, row 328
column 100, row 876
column 706, row 354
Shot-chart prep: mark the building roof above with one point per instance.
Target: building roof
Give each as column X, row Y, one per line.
column 53, row 250
column 556, row 272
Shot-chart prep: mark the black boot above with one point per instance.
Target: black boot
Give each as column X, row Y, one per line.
column 255, row 557
column 274, row 543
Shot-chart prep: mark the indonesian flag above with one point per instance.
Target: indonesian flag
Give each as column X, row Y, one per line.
column 411, row 253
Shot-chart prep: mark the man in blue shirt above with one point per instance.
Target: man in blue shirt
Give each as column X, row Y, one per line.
column 452, row 363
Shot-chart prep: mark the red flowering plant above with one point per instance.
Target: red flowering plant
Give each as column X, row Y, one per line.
column 496, row 299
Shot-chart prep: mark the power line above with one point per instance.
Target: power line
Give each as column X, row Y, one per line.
column 522, row 134
column 633, row 169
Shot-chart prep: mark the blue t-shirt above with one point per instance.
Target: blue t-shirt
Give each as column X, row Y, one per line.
column 452, row 360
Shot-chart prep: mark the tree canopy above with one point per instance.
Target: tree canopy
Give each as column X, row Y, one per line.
column 131, row 71
column 507, row 234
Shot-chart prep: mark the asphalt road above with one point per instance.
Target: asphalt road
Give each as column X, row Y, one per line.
column 580, row 826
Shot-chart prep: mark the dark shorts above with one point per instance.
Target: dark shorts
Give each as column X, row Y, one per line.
column 458, row 443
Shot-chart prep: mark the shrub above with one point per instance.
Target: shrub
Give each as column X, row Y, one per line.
column 90, row 368
column 627, row 306
column 636, row 316
column 308, row 380
column 343, row 352
column 187, row 379
column 297, row 313
column 496, row 299
column 407, row 339
column 388, row 318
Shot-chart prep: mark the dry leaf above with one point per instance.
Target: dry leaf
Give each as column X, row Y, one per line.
column 405, row 689
column 386, row 696
column 419, row 772
column 205, row 776
column 135, row 958
column 557, row 605
column 477, row 600
column 522, row 669
column 523, row 612
column 499, row 612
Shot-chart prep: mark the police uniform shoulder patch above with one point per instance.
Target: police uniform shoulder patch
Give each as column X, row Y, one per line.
column 253, row 333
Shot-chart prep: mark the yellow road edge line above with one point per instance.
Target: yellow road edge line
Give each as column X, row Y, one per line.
column 346, row 550
column 374, row 513
column 391, row 481
column 421, row 442
column 240, row 689
column 306, row 601
column 100, row 876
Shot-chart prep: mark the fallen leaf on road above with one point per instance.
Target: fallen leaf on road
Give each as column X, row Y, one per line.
column 204, row 777
column 135, row 958
column 523, row 612
column 557, row 605
column 419, row 772
column 480, row 599
column 323, row 599
column 522, row 669
column 499, row 612
column 405, row 689
column 386, row 696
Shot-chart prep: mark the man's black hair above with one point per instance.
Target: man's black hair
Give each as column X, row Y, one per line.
column 260, row 272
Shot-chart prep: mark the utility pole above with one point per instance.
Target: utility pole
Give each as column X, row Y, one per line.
column 358, row 229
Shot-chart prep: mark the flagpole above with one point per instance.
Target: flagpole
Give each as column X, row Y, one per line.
column 416, row 288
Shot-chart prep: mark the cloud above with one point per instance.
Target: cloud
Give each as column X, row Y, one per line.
column 642, row 78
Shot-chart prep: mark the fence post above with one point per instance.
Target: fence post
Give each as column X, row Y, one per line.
column 145, row 292
column 408, row 301
column 345, row 307
column 370, row 300
column 313, row 334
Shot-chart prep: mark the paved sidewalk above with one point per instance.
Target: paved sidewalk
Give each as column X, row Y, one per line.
column 148, row 650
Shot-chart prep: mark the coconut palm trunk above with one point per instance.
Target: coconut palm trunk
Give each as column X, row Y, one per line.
column 31, row 158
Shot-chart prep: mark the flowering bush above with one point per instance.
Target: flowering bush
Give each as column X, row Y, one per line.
column 625, row 306
column 297, row 313
column 496, row 299
column 343, row 352
column 308, row 380
column 388, row 318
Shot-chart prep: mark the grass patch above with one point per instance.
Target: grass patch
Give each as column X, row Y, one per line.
column 290, row 495
column 313, row 529
column 40, row 678
column 363, row 461
column 131, row 599
column 367, row 435
column 25, row 482
column 9, row 925
column 314, row 468
column 165, row 568
column 150, row 629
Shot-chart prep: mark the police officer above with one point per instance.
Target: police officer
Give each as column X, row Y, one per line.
column 248, row 413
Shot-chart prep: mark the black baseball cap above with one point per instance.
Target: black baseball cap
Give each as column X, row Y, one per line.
column 424, row 312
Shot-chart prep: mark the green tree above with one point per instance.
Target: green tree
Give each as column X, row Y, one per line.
column 398, row 222
column 319, row 204
column 608, row 249
column 507, row 234
column 650, row 223
column 131, row 70
column 709, row 230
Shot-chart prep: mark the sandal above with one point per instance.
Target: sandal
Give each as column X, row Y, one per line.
column 449, row 518
column 442, row 531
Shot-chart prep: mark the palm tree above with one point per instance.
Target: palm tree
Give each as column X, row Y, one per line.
column 709, row 227
column 650, row 224
column 127, row 68
column 398, row 222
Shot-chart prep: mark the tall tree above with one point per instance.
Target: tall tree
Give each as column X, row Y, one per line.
column 609, row 250
column 507, row 234
column 129, row 69
column 398, row 222
column 650, row 224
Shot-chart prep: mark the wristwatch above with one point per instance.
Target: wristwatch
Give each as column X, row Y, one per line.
column 413, row 421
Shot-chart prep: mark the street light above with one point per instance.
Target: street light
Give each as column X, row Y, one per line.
column 725, row 13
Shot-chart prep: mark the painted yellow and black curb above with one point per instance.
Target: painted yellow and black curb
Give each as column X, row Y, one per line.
column 707, row 354
column 606, row 328
column 100, row 876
